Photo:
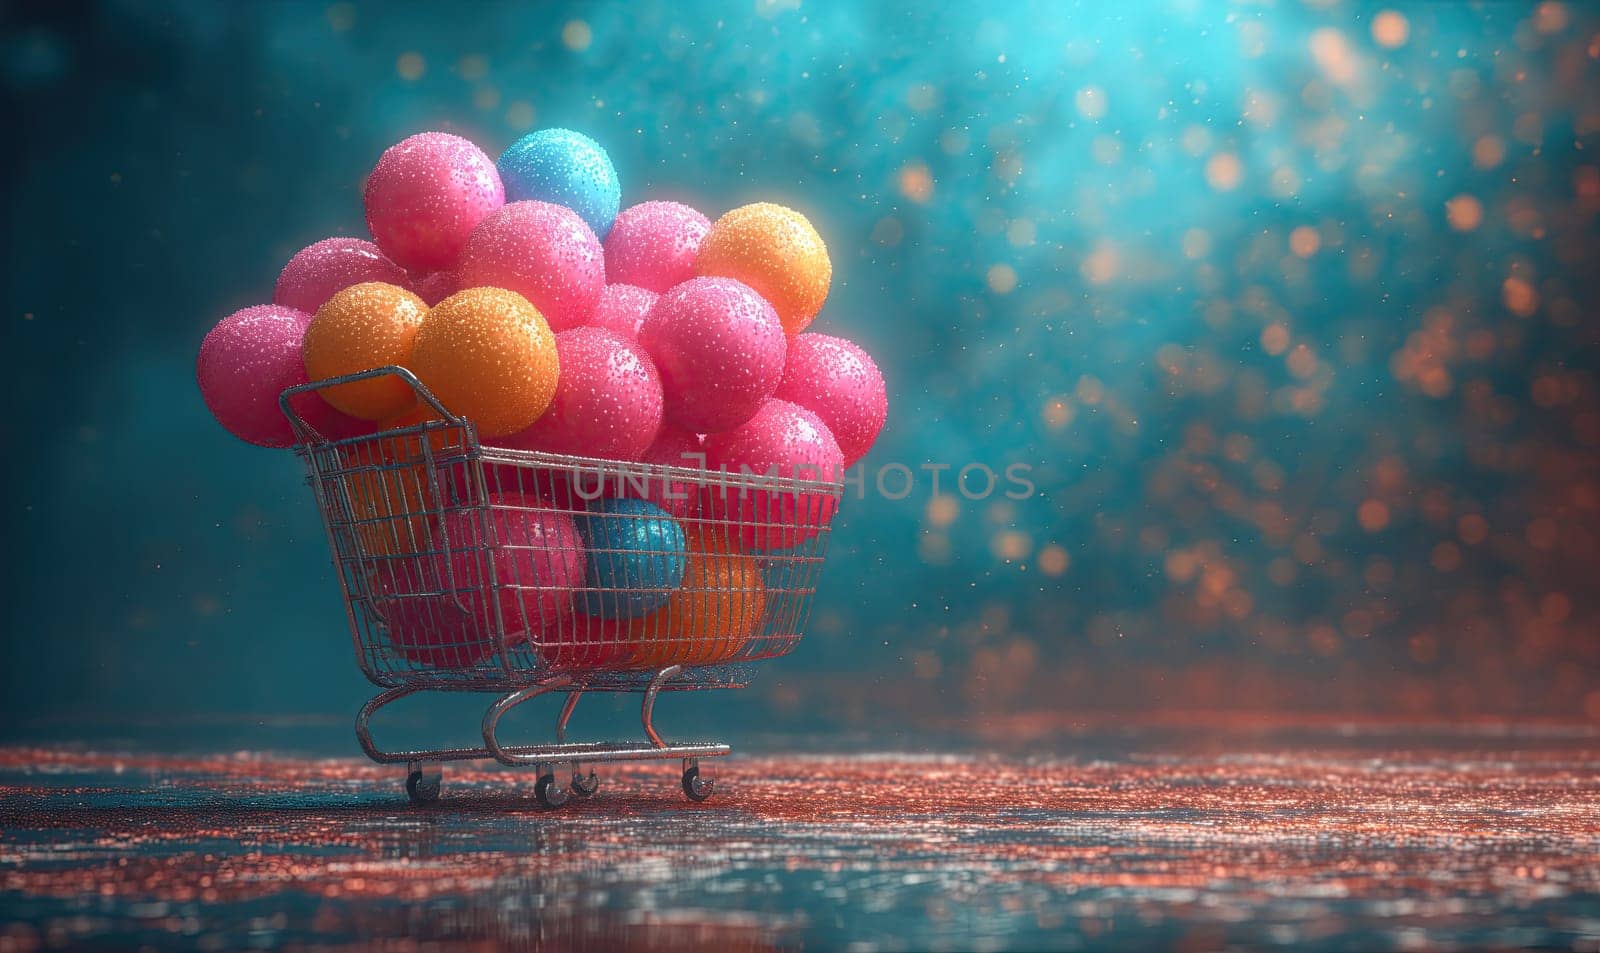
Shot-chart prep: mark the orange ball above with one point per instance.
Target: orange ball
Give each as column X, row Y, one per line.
column 363, row 327
column 777, row 253
column 489, row 356
column 387, row 486
column 712, row 614
column 441, row 441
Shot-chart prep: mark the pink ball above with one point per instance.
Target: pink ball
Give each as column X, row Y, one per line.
column 720, row 350
column 538, row 561
column 426, row 195
column 621, row 309
column 443, row 620
column 434, row 287
column 786, row 440
column 246, row 361
column 673, row 448
column 680, row 498
column 541, row 251
column 654, row 244
column 425, row 616
column 839, row 382
column 607, row 402
column 319, row 270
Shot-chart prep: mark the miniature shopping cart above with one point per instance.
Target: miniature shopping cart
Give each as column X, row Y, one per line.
column 458, row 566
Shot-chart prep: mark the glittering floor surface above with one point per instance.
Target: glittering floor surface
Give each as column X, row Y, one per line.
column 1340, row 839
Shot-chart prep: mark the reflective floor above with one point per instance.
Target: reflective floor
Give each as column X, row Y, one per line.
column 1335, row 837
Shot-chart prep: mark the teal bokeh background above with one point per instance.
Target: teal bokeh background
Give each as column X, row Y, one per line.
column 1289, row 309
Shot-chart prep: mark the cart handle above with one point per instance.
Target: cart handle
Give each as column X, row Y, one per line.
column 305, row 430
column 308, row 435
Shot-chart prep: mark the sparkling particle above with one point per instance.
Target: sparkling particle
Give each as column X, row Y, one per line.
column 1520, row 297
column 1373, row 515
column 1304, row 241
column 341, row 17
column 1053, row 560
column 520, row 114
column 1090, row 102
column 1391, row 28
column 1464, row 213
column 1224, row 171
column 916, row 182
column 1002, row 279
column 410, row 66
column 576, row 36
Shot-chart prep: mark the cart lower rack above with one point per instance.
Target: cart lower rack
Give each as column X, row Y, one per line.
column 467, row 567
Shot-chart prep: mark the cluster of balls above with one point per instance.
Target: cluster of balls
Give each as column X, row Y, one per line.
column 521, row 296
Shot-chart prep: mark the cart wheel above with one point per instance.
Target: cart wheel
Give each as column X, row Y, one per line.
column 695, row 787
column 422, row 786
column 585, row 786
column 549, row 793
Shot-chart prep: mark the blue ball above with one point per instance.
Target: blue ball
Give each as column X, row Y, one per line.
column 565, row 168
column 637, row 554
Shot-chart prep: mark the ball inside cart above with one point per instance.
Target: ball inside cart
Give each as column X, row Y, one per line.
column 564, row 167
column 582, row 641
column 426, row 195
column 788, row 441
column 552, row 485
column 442, row 441
column 427, row 622
column 673, row 448
column 713, row 613
column 390, row 493
column 653, row 245
column 538, row 562
column 330, row 424
column 636, row 557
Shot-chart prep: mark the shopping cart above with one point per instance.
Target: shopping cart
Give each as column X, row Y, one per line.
column 461, row 571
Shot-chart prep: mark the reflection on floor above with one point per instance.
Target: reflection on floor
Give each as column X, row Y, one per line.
column 1384, row 837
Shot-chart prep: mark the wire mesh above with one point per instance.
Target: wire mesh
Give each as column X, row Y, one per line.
column 473, row 567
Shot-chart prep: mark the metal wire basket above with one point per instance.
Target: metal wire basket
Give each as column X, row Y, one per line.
column 467, row 567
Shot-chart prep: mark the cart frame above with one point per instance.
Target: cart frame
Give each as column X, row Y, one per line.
column 450, row 462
